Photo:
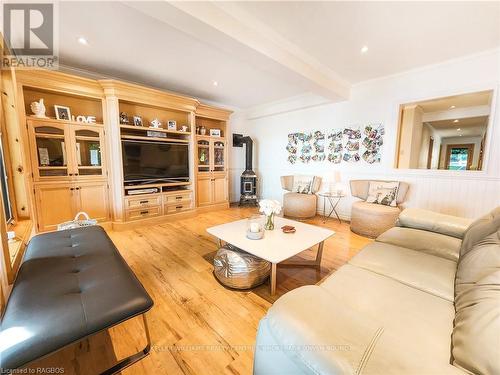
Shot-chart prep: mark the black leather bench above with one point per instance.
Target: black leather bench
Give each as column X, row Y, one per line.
column 71, row 284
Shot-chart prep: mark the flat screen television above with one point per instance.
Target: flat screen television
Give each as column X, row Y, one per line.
column 145, row 161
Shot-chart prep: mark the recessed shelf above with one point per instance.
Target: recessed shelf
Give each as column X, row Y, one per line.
column 207, row 137
column 144, row 138
column 166, row 184
column 147, row 128
column 56, row 121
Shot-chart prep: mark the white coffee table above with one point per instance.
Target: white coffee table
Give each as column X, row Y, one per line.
column 276, row 246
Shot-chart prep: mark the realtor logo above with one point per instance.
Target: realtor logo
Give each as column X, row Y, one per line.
column 29, row 30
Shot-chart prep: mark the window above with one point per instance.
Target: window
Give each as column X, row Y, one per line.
column 459, row 157
column 5, row 188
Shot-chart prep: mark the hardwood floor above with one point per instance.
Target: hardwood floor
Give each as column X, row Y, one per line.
column 197, row 326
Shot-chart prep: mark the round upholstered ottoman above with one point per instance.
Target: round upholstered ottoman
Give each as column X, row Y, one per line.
column 237, row 269
column 371, row 219
column 299, row 206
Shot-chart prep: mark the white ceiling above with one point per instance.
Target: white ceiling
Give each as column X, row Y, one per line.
column 399, row 35
column 469, row 127
column 260, row 52
column 127, row 44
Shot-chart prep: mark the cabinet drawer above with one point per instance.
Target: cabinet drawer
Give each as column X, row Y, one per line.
column 172, row 209
column 142, row 213
column 173, row 198
column 138, row 202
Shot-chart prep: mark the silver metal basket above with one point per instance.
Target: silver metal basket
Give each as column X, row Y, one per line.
column 238, row 269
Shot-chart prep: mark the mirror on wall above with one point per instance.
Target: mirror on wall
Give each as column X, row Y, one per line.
column 445, row 133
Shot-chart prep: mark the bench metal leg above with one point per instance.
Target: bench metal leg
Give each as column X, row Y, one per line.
column 126, row 362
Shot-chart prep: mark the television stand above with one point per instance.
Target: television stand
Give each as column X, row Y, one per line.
column 153, row 202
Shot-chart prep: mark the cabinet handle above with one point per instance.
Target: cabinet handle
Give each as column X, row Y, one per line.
column 71, row 189
column 178, row 197
column 78, row 188
column 144, row 212
column 178, row 207
column 143, row 202
column 76, row 174
column 71, row 174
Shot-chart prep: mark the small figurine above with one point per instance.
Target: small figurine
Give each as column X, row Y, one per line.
column 38, row 109
column 137, row 121
column 203, row 130
column 155, row 123
column 123, row 118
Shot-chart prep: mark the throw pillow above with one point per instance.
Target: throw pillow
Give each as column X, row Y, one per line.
column 381, row 192
column 303, row 184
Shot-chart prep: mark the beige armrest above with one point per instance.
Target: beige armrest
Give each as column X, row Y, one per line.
column 434, row 222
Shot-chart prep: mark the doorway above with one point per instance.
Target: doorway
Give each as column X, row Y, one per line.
column 459, row 157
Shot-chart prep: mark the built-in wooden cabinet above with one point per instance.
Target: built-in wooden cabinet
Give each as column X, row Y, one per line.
column 211, row 154
column 164, row 202
column 66, row 151
column 92, row 198
column 60, row 202
column 212, row 188
column 204, row 189
column 212, row 185
column 76, row 166
column 54, row 204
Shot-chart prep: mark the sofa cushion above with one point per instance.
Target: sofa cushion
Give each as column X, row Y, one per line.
column 476, row 335
column 348, row 335
column 417, row 326
column 420, row 240
column 434, row 222
column 479, row 229
column 418, row 270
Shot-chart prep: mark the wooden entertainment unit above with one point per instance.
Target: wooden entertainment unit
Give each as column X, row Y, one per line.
column 77, row 166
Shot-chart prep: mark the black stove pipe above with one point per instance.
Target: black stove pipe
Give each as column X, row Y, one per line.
column 238, row 141
column 248, row 153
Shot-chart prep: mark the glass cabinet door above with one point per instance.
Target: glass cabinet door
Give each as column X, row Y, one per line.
column 51, row 147
column 88, row 151
column 203, row 155
column 219, row 156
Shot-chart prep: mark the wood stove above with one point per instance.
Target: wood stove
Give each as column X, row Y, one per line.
column 248, row 179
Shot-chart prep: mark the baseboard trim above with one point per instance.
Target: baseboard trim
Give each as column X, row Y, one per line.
column 127, row 225
column 343, row 216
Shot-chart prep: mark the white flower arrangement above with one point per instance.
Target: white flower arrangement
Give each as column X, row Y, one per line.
column 269, row 207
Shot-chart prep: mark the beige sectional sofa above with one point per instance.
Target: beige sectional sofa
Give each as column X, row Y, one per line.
column 424, row 298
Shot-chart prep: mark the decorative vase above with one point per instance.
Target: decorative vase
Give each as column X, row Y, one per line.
column 269, row 222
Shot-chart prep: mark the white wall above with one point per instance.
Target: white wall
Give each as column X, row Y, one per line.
column 469, row 193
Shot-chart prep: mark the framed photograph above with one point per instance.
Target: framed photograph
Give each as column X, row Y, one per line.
column 215, row 132
column 171, row 125
column 137, row 121
column 62, row 113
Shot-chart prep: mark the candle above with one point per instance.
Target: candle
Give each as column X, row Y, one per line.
column 254, row 227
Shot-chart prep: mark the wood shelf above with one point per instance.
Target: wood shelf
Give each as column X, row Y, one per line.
column 62, row 122
column 144, row 138
column 208, row 138
column 146, row 128
column 164, row 184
